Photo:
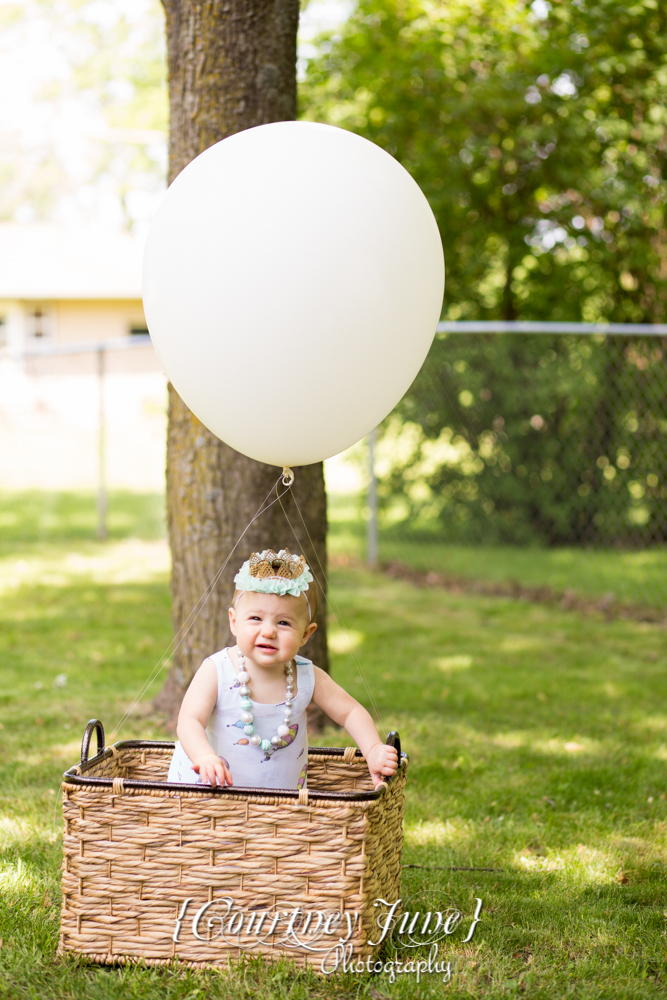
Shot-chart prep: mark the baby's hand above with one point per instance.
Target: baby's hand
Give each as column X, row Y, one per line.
column 211, row 768
column 382, row 760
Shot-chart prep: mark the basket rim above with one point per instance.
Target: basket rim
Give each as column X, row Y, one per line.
column 70, row 777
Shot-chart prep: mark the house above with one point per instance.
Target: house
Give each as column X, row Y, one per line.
column 61, row 285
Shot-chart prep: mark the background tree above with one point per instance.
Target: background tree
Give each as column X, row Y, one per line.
column 231, row 65
column 538, row 135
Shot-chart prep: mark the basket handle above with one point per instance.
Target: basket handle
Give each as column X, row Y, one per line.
column 94, row 724
column 394, row 740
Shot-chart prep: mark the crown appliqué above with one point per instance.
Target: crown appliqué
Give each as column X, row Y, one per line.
column 283, row 564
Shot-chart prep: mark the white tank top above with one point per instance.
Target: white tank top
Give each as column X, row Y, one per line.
column 284, row 766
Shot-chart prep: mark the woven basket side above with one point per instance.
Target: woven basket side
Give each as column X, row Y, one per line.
column 382, row 849
column 149, row 764
column 325, row 773
column 112, row 766
column 223, row 960
column 131, row 860
column 334, row 775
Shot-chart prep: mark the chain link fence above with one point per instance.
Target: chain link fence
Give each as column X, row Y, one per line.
column 516, row 455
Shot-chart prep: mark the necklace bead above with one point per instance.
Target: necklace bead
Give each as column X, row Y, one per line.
column 245, row 700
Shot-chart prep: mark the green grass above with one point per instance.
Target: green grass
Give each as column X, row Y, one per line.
column 634, row 577
column 32, row 519
column 537, row 742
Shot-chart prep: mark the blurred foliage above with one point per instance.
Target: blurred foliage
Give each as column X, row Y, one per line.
column 538, row 135
column 85, row 138
column 539, row 143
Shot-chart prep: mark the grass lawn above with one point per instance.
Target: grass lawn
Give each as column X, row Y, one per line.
column 537, row 742
column 636, row 577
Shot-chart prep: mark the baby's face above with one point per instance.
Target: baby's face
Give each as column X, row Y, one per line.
column 270, row 629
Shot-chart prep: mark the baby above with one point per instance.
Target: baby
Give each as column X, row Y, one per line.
column 256, row 693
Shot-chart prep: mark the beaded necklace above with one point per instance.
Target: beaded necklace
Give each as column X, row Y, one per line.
column 246, row 705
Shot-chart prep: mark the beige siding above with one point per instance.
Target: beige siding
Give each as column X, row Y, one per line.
column 97, row 320
column 70, row 321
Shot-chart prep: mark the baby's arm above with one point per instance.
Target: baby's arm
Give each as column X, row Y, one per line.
column 198, row 703
column 342, row 708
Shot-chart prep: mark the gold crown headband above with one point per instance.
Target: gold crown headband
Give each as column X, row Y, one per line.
column 281, row 564
column 270, row 572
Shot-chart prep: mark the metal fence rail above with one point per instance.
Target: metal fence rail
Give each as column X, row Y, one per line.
column 525, row 326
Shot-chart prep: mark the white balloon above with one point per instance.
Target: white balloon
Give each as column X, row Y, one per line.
column 293, row 280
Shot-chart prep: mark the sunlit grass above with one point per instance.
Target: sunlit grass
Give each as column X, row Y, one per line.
column 635, row 577
column 38, row 518
column 537, row 742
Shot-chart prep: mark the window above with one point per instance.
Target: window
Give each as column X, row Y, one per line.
column 138, row 330
column 39, row 321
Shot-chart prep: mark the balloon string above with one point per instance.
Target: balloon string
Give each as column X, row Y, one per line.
column 189, row 622
column 333, row 607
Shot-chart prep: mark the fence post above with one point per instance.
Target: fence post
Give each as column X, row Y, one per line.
column 372, row 545
column 15, row 334
column 101, row 451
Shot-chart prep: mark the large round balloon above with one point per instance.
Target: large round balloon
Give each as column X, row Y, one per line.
column 293, row 280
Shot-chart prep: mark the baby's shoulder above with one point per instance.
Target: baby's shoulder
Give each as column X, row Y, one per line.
column 305, row 667
column 219, row 663
column 220, row 655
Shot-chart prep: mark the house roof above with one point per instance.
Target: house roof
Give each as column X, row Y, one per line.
column 46, row 261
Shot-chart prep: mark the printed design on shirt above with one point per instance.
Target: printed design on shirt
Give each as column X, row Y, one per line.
column 302, row 777
column 268, row 754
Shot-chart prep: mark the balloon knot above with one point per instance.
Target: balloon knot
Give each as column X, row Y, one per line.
column 288, row 476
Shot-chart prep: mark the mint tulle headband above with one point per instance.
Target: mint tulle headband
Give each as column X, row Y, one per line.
column 270, row 572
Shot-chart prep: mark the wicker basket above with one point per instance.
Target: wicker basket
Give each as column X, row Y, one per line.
column 156, row 871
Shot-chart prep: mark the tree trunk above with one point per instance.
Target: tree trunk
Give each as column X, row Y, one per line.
column 232, row 65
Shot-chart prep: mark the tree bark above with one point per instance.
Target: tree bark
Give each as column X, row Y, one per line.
column 231, row 66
